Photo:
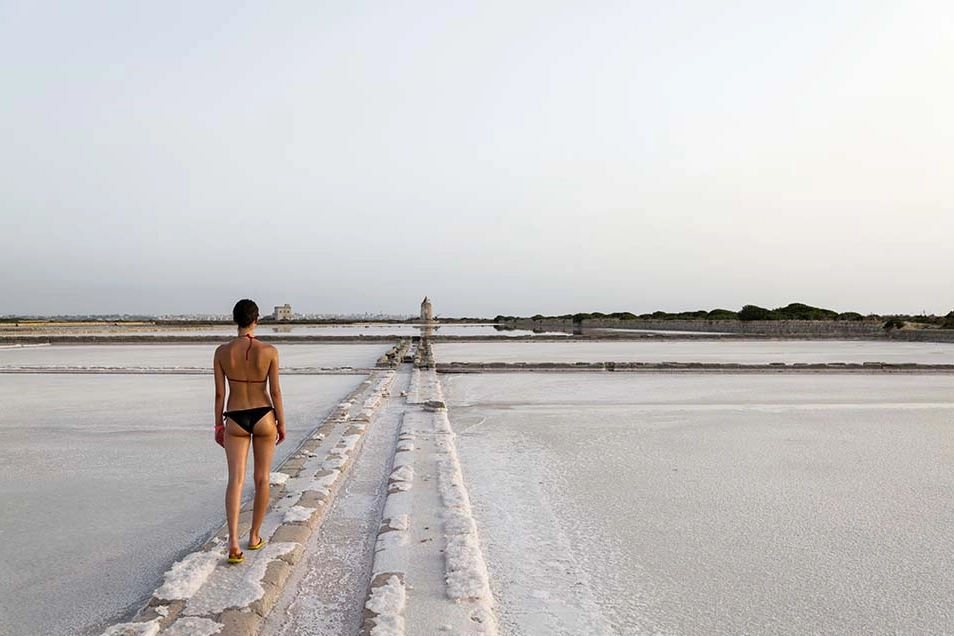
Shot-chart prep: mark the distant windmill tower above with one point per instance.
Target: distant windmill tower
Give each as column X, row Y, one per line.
column 427, row 312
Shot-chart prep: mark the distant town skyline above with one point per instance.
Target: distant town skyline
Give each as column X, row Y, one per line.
column 503, row 158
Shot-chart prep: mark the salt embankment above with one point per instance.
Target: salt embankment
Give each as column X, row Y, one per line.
column 429, row 574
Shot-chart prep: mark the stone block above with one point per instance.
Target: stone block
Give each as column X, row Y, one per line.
column 434, row 405
column 313, row 499
column 272, row 583
column 236, row 622
column 293, row 466
column 291, row 533
column 313, row 520
column 295, row 554
column 311, row 446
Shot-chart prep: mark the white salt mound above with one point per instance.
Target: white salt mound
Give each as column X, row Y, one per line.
column 185, row 577
column 388, row 602
column 325, row 482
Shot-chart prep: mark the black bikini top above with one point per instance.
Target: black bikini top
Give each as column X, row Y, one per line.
column 250, row 338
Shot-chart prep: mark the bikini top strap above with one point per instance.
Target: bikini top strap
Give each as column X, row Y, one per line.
column 250, row 339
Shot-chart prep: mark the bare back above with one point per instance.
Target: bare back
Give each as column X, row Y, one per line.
column 247, row 365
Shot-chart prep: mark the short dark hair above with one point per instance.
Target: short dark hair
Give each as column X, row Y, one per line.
column 245, row 312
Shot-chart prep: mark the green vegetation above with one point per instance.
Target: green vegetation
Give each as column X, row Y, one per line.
column 792, row 311
column 754, row 312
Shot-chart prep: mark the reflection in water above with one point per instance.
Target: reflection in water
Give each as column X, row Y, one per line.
column 427, row 330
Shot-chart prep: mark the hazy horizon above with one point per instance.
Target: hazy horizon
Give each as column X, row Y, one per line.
column 373, row 315
column 503, row 158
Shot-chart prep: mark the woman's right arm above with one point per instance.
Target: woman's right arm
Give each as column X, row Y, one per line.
column 219, row 399
column 275, row 391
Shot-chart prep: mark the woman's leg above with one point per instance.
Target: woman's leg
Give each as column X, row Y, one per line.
column 263, row 447
column 236, row 453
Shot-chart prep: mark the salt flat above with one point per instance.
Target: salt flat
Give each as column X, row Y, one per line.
column 701, row 505
column 106, row 480
column 726, row 351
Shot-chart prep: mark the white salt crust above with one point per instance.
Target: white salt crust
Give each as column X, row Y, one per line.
column 403, row 473
column 387, row 602
column 193, row 626
column 277, row 479
column 185, row 577
column 298, row 514
column 467, row 576
column 236, row 586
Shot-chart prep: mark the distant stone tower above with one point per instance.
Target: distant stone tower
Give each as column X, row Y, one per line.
column 427, row 311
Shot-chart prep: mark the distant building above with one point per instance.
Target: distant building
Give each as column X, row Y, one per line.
column 283, row 312
column 427, row 311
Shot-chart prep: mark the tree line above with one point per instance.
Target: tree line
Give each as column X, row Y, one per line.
column 792, row 311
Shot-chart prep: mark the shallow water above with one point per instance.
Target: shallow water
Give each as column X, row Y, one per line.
column 106, row 480
column 277, row 330
column 727, row 351
column 699, row 505
column 182, row 356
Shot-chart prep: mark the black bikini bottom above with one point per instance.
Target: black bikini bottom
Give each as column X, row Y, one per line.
column 247, row 418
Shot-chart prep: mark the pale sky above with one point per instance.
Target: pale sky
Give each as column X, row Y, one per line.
column 514, row 157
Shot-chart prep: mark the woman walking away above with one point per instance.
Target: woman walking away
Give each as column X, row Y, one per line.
column 254, row 418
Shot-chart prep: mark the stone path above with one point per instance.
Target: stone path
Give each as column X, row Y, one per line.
column 412, row 567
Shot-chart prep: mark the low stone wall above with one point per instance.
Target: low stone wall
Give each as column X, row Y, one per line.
column 394, row 356
column 692, row 367
column 922, row 335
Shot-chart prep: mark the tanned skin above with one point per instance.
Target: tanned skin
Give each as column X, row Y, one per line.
column 230, row 360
